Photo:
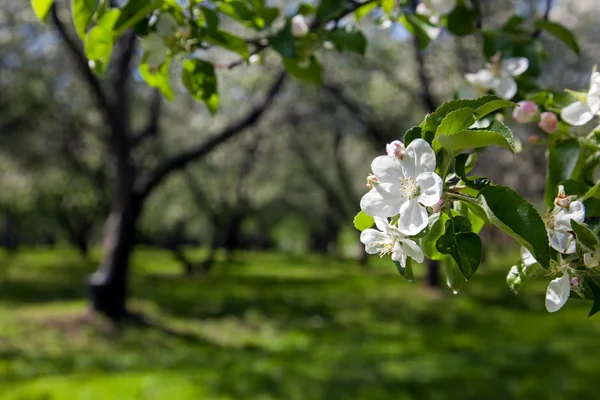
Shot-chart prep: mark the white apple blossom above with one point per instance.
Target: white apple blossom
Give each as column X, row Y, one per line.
column 299, row 26
column 497, row 76
column 558, row 225
column 558, row 292
column 582, row 112
column 435, row 8
column 406, row 185
column 387, row 239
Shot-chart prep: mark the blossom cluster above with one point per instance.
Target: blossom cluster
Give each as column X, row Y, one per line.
column 403, row 186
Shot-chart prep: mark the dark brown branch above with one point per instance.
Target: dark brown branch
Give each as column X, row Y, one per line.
column 152, row 123
column 125, row 49
column 151, row 179
column 478, row 14
column 545, row 17
column 82, row 63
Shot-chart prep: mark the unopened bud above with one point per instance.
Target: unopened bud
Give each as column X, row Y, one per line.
column 525, row 112
column 575, row 283
column 372, row 181
column 395, row 149
column 299, row 26
column 534, row 139
column 548, row 122
column 438, row 206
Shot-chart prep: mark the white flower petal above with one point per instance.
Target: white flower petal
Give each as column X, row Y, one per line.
column 413, row 218
column 412, row 250
column 576, row 114
column 380, row 202
column 527, row 257
column 372, row 238
column 484, row 78
column 431, row 188
column 558, row 293
column 398, row 255
column 576, row 211
column 593, row 100
column 381, row 224
column 440, row 7
column 505, row 87
column 562, row 241
column 418, row 158
column 515, row 66
column 387, row 169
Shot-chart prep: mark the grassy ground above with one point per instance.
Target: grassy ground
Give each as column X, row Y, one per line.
column 282, row 327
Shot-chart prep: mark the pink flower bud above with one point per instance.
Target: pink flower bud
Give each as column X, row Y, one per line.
column 575, row 283
column 395, row 149
column 548, row 122
column 525, row 112
column 534, row 139
column 438, row 206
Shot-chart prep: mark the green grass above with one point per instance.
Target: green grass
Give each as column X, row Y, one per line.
column 272, row 326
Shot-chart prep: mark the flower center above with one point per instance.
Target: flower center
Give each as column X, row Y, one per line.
column 385, row 247
column 409, row 188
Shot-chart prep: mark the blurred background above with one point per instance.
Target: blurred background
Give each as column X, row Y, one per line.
column 247, row 278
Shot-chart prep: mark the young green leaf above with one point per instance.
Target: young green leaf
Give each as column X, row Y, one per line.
column 461, row 21
column 506, row 209
column 454, row 278
column 363, row 221
column 496, row 134
column 420, row 27
column 41, row 8
column 406, row 272
column 83, row 11
column 462, row 245
column 158, row 78
column 585, row 236
column 460, row 170
column 328, row 9
column 200, row 80
column 99, row 42
column 348, row 40
column 519, row 274
column 456, row 121
column 412, row 134
column 436, row 229
column 565, row 159
column 560, row 32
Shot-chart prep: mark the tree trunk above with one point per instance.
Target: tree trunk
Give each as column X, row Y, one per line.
column 109, row 285
column 433, row 273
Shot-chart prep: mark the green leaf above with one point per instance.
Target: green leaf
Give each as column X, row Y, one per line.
column 388, row 6
column 200, row 80
column 461, row 21
column 328, row 9
column 420, row 27
column 99, row 42
column 407, row 272
column 594, row 192
column 284, row 42
column 83, row 11
column 133, row 12
column 228, row 41
column 436, row 229
column 585, row 236
column 497, row 134
column 513, row 24
column 41, row 8
column 456, row 121
column 506, row 209
column 493, row 106
column 596, row 293
column 412, row 134
column 519, row 274
column 158, row 78
column 565, row 160
column 454, row 278
column 560, row 32
column 433, row 120
column 477, row 223
column 365, row 9
column 309, row 70
column 363, row 221
column 348, row 40
column 460, row 170
column 307, row 9
column 462, row 245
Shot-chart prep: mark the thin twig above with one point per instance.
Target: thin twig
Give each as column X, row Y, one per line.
column 538, row 31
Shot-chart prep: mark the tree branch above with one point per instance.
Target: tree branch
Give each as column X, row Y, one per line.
column 478, row 14
column 426, row 97
column 150, row 179
column 152, row 122
column 81, row 63
column 538, row 32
